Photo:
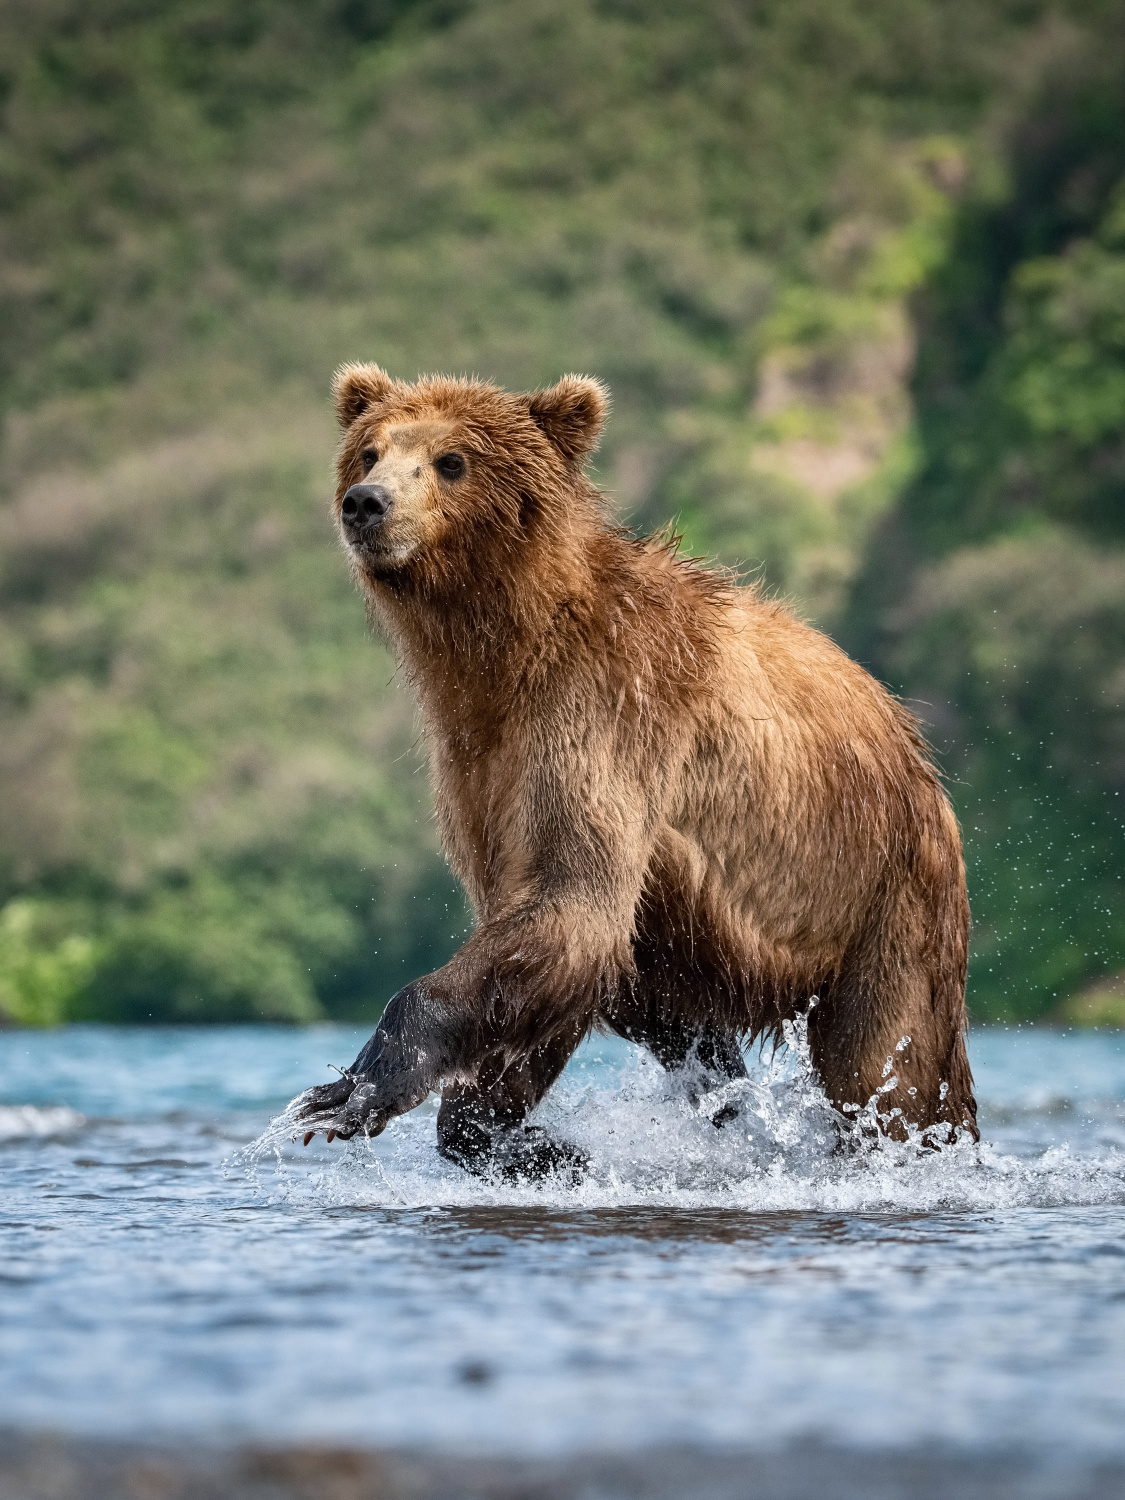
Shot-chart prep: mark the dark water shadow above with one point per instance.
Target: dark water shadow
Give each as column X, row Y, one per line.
column 663, row 1226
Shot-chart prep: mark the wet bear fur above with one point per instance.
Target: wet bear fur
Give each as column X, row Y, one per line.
column 680, row 813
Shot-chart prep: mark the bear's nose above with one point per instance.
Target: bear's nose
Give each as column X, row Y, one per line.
column 365, row 505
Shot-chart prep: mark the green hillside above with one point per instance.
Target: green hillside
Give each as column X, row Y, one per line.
column 994, row 590
column 742, row 216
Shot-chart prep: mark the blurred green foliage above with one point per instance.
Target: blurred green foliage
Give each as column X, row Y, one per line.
column 44, row 969
column 995, row 588
column 743, row 216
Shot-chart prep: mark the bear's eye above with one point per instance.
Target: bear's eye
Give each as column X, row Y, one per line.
column 370, row 459
column 450, row 465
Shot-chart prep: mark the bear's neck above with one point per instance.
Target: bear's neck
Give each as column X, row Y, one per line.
column 480, row 655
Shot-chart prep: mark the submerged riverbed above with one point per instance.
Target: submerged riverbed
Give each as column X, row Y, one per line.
column 161, row 1275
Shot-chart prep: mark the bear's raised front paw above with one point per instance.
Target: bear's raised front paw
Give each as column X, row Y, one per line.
column 347, row 1108
column 318, row 1106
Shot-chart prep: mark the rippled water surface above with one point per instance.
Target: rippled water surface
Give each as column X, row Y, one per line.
column 161, row 1273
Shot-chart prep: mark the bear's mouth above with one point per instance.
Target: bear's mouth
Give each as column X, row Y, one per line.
column 378, row 555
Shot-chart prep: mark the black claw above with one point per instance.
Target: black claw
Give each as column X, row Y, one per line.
column 392, row 1073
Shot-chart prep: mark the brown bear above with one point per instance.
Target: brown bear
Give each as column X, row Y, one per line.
column 680, row 813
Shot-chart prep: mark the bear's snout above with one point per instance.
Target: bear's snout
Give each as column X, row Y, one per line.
column 365, row 505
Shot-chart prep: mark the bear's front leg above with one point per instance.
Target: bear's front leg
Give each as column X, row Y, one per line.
column 418, row 1041
column 481, row 1124
column 524, row 989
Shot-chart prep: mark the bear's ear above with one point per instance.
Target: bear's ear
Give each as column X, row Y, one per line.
column 571, row 414
column 355, row 388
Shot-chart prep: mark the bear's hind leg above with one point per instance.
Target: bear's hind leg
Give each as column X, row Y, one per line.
column 892, row 1029
column 706, row 1054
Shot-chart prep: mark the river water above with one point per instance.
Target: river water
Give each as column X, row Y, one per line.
column 171, row 1265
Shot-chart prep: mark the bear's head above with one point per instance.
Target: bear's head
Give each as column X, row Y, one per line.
column 443, row 480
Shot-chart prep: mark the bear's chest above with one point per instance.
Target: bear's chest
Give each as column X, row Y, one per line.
column 480, row 798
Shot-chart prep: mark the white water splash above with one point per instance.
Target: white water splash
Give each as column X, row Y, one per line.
column 651, row 1143
column 21, row 1122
